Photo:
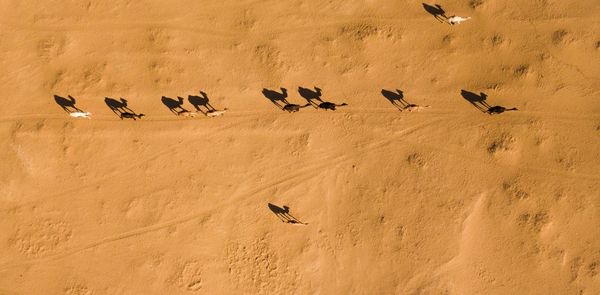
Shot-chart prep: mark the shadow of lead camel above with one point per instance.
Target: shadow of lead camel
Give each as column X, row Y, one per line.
column 479, row 101
column 284, row 214
column 120, row 108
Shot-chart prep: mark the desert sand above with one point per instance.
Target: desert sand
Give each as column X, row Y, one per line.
column 442, row 200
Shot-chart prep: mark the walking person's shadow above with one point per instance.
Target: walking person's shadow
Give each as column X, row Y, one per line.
column 275, row 97
column 311, row 95
column 175, row 106
column 396, row 98
column 437, row 11
column 67, row 104
column 284, row 214
column 477, row 100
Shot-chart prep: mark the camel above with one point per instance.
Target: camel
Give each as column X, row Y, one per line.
column 499, row 110
column 215, row 113
column 186, row 113
column 455, row 20
column 330, row 105
column 128, row 115
column 275, row 96
column 86, row 115
column 291, row 108
column 414, row 107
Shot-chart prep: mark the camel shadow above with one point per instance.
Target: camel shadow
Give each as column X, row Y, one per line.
column 284, row 214
column 477, row 100
column 437, row 11
column 175, row 106
column 121, row 109
column 275, row 97
column 311, row 95
column 67, row 104
column 396, row 98
column 201, row 101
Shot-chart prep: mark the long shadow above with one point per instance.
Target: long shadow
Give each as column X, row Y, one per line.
column 311, row 95
column 120, row 108
column 396, row 98
column 202, row 101
column 477, row 100
column 284, row 214
column 275, row 97
column 437, row 11
column 67, row 104
column 175, row 106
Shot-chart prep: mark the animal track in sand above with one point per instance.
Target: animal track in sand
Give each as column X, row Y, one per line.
column 93, row 74
column 188, row 276
column 497, row 39
column 447, row 39
column 514, row 188
column 503, row 142
column 521, row 71
column 78, row 289
column 592, row 269
column 257, row 269
column 358, row 32
column 567, row 160
column 51, row 47
column 534, row 221
column 40, row 237
column 268, row 56
column 475, row 3
column 417, row 160
column 157, row 39
column 559, row 36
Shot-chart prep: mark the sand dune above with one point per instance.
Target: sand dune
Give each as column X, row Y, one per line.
column 441, row 200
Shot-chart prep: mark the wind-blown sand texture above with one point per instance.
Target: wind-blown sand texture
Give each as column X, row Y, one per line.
column 447, row 200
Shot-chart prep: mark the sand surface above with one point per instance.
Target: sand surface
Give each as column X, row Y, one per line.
column 444, row 200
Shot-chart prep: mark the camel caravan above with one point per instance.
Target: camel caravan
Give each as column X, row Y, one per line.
column 313, row 97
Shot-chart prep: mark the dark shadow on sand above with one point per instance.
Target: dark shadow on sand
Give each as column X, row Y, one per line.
column 67, row 104
column 276, row 97
column 284, row 214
